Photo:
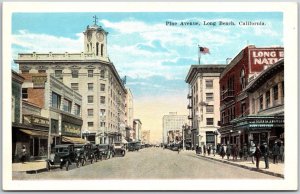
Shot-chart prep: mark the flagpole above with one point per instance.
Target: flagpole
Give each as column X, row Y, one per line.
column 199, row 55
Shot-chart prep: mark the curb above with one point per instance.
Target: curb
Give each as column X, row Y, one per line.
column 246, row 167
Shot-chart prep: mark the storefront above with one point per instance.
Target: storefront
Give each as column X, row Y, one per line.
column 71, row 130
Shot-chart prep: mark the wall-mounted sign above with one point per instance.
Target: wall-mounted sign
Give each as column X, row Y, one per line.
column 70, row 129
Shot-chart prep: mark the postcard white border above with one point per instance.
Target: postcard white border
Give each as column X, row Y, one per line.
column 290, row 182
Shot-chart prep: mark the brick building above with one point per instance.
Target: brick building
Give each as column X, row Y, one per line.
column 234, row 102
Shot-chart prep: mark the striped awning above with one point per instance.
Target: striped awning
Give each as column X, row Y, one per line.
column 35, row 133
column 75, row 140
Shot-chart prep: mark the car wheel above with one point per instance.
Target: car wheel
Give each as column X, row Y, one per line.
column 67, row 165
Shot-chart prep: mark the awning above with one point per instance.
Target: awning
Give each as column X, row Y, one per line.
column 35, row 133
column 75, row 140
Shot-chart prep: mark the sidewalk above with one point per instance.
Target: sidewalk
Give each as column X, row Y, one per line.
column 30, row 167
column 274, row 169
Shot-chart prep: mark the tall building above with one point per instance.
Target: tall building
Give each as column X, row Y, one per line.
column 129, row 115
column 92, row 75
column 137, row 130
column 234, row 102
column 204, row 103
column 172, row 127
column 145, row 136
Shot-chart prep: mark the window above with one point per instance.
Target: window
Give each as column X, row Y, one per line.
column 67, row 104
column 58, row 73
column 102, row 124
column 56, row 99
column 102, row 73
column 90, row 86
column 209, row 96
column 102, row 112
column 25, row 71
column 90, row 112
column 102, row 99
column 209, row 108
column 74, row 73
column 90, row 99
column 42, row 71
column 209, row 121
column 90, row 73
column 74, row 86
column 275, row 92
column 209, row 84
column 77, row 109
column 24, row 93
column 253, row 105
column 243, row 79
column 261, row 102
column 268, row 99
column 90, row 124
column 102, row 87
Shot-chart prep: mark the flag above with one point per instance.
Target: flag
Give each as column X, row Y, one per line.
column 204, row 50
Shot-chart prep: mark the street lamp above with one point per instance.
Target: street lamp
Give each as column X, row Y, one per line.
column 230, row 136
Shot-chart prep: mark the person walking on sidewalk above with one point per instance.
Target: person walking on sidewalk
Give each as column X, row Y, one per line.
column 245, row 151
column 252, row 151
column 222, row 152
column 228, row 151
column 281, row 153
column 265, row 152
column 24, row 152
column 197, row 149
column 204, row 150
column 214, row 150
column 208, row 150
column 275, row 153
column 257, row 154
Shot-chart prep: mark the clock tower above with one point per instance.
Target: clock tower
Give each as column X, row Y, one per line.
column 95, row 40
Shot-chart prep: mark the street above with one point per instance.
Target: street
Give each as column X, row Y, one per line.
column 149, row 163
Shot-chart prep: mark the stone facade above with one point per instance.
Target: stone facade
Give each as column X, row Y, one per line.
column 172, row 124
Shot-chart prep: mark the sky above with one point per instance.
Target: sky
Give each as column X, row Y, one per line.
column 154, row 56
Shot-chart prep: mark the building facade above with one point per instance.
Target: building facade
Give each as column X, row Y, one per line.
column 145, row 136
column 137, row 130
column 204, row 103
column 92, row 75
column 240, row 72
column 265, row 122
column 129, row 116
column 172, row 127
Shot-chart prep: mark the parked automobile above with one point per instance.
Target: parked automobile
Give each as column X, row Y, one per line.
column 97, row 152
column 119, row 149
column 64, row 155
column 85, row 153
column 107, row 150
column 134, row 146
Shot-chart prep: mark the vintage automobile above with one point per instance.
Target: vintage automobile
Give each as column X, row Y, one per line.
column 97, row 152
column 119, row 149
column 85, row 153
column 107, row 150
column 134, row 146
column 64, row 155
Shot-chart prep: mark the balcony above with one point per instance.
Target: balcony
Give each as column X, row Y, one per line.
column 190, row 117
column 189, row 95
column 227, row 95
column 189, row 106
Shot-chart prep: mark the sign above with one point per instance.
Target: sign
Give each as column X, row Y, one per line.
column 70, row 129
column 39, row 81
column 259, row 58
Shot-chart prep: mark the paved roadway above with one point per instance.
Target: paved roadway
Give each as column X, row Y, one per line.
column 150, row 163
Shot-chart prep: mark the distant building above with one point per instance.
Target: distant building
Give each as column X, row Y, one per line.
column 234, row 102
column 129, row 116
column 145, row 136
column 204, row 103
column 137, row 130
column 172, row 127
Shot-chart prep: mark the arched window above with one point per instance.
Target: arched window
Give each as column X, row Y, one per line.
column 243, row 79
column 101, row 50
column 97, row 48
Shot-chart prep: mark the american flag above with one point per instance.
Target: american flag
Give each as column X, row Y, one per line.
column 204, row 50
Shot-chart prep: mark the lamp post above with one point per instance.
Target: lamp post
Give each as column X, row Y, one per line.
column 230, row 136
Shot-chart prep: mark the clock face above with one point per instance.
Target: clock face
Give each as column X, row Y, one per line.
column 100, row 36
column 89, row 36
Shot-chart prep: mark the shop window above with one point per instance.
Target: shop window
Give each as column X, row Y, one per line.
column 56, row 100
column 209, row 121
column 90, row 112
column 90, row 86
column 74, row 73
column 268, row 99
column 67, row 104
column 90, row 99
column 25, row 93
column 90, row 73
column 74, row 86
column 209, row 84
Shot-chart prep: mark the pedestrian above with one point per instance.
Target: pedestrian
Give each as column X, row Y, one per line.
column 257, row 154
column 275, row 153
column 24, row 152
column 281, row 153
column 228, row 151
column 240, row 153
column 252, row 150
column 197, row 149
column 265, row 152
column 200, row 150
column 208, row 150
column 245, row 151
column 222, row 152
column 204, row 150
column 214, row 150
column 234, row 152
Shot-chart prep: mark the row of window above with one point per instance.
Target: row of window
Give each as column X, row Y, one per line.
column 91, row 99
column 75, row 73
column 91, row 112
column 90, row 86
column 268, row 96
column 66, row 104
column 209, row 84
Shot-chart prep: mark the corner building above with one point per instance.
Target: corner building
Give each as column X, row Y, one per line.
column 94, row 77
column 234, row 102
